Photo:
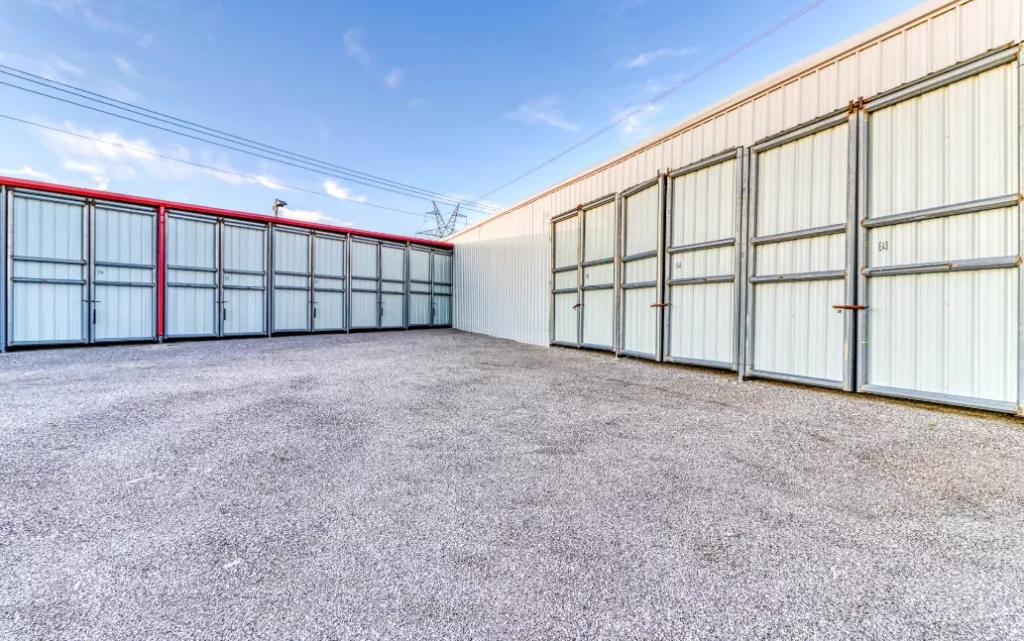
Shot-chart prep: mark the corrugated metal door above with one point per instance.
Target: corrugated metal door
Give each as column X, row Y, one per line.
column 123, row 273
column 48, row 295
column 329, row 262
column 419, row 287
column 801, row 255
column 565, row 286
column 191, row 290
column 598, row 310
column 291, row 280
column 941, row 250
column 392, row 286
column 243, row 279
column 442, row 285
column 365, row 284
column 641, row 305
column 703, row 321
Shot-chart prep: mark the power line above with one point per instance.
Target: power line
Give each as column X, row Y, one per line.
column 732, row 54
column 276, row 155
column 218, row 170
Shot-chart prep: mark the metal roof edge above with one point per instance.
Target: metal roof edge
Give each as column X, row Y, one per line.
column 796, row 69
column 212, row 211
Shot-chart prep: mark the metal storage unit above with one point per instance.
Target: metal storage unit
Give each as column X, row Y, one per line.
column 441, row 274
column 704, row 252
column 941, row 248
column 420, row 309
column 243, row 278
column 392, row 286
column 190, row 302
column 598, row 268
column 801, row 255
column 123, row 272
column 565, row 280
column 329, row 261
column 48, row 289
column 292, row 279
column 641, row 301
column 365, row 284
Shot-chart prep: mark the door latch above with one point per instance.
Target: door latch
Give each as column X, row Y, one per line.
column 850, row 307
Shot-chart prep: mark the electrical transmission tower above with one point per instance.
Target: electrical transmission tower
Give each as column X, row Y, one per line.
column 444, row 226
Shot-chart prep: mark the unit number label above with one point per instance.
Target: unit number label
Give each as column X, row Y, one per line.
column 883, row 245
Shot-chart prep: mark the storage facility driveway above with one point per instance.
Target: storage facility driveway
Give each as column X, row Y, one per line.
column 435, row 484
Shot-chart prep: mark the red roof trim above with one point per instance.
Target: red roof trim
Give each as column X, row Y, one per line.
column 213, row 211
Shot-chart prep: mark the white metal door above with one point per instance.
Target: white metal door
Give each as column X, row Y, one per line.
column 392, row 286
column 705, row 218
column 191, row 280
column 565, row 292
column 48, row 295
column 801, row 255
column 123, row 273
column 291, row 280
column 598, row 309
column 365, row 284
column 940, row 249
column 329, row 262
column 442, row 288
column 419, row 287
column 243, row 279
column 640, row 305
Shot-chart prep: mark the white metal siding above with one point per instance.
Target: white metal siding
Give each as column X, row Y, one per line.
column 365, row 309
column 191, row 302
column 124, row 274
column 419, row 265
column 328, row 283
column 364, row 259
column 640, row 318
column 244, row 279
column 291, row 281
column 503, row 264
column 419, row 309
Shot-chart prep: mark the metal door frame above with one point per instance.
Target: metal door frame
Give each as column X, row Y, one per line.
column 558, row 270
column 621, row 260
column 3, row 268
column 429, row 283
column 739, row 154
column 451, row 286
column 594, row 204
column 93, row 264
column 308, row 233
column 222, row 272
column 352, row 243
column 830, row 121
column 381, row 280
column 344, row 278
column 215, row 221
column 961, row 71
column 12, row 194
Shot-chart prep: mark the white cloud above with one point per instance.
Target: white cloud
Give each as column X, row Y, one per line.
column 416, row 103
column 394, row 79
column 338, row 191
column 353, row 40
column 646, row 58
column 125, row 67
column 117, row 91
column 545, row 111
column 638, row 124
column 312, row 216
column 50, row 66
column 28, row 172
column 84, row 10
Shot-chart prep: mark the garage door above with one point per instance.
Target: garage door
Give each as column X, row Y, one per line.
column 598, row 268
column 641, row 304
column 291, row 280
column 565, row 294
column 192, row 279
column 329, row 282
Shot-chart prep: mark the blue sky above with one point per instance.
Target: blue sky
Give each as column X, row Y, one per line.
column 453, row 97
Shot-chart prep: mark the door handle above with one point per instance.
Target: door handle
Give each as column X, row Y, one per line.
column 660, row 305
column 577, row 305
column 849, row 307
column 94, row 316
column 224, row 313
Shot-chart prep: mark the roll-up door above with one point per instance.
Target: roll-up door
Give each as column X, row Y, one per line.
column 329, row 262
column 392, row 286
column 565, row 280
column 442, row 287
column 365, row 284
column 801, row 255
column 598, row 266
column 291, row 280
column 940, row 248
column 703, row 323
column 244, row 278
column 641, row 299
column 48, row 301
column 419, row 287
column 123, row 273
column 192, row 279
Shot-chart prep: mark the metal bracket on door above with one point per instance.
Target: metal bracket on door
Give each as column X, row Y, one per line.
column 849, row 307
column 660, row 305
column 577, row 305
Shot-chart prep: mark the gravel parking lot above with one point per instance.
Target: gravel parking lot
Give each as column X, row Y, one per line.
column 441, row 485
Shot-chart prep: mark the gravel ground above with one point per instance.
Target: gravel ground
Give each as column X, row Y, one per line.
column 441, row 485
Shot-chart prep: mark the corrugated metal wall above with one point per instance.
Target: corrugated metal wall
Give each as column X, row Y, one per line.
column 503, row 266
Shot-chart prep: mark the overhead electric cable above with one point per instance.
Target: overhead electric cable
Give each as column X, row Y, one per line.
column 218, row 170
column 718, row 62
